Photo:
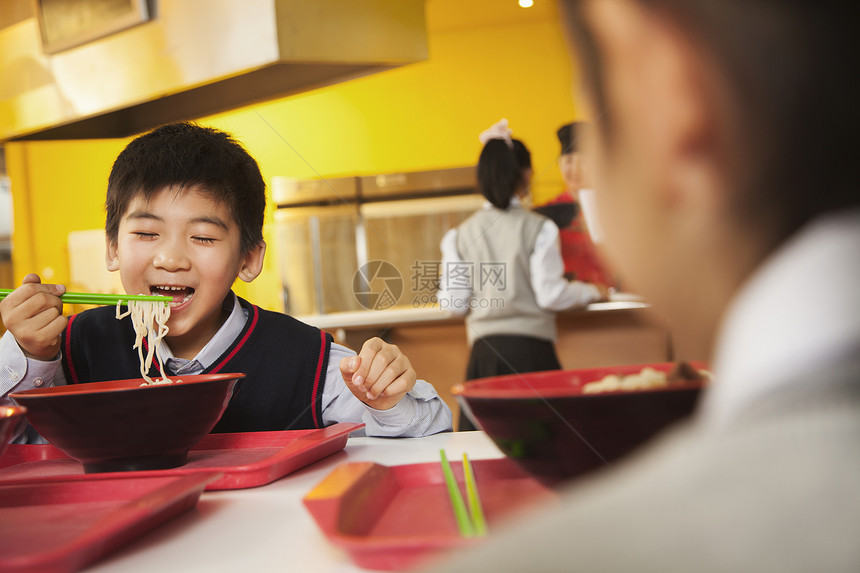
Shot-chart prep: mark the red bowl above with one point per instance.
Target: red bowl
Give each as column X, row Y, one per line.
column 10, row 417
column 120, row 425
column 544, row 422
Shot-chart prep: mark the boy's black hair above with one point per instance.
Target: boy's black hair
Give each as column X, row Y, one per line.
column 187, row 155
column 796, row 119
column 569, row 135
column 500, row 170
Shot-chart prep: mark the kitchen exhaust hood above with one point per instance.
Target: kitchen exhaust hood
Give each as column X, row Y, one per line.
column 191, row 58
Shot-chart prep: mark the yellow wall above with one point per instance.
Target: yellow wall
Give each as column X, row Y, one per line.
column 422, row 116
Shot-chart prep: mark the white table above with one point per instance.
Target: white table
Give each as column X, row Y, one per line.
column 268, row 528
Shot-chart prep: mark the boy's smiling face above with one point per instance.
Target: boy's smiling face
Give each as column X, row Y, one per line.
column 182, row 243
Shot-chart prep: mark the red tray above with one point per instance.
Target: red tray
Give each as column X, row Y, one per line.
column 62, row 527
column 244, row 459
column 398, row 517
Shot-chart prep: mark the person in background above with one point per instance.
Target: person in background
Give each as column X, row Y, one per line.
column 185, row 207
column 502, row 269
column 581, row 259
column 729, row 195
column 564, row 208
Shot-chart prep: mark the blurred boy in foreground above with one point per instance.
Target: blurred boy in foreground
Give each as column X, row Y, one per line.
column 185, row 207
column 726, row 157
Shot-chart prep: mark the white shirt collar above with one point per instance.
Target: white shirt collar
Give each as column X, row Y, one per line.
column 798, row 313
column 219, row 343
column 515, row 202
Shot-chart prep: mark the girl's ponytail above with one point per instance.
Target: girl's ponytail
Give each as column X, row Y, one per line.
column 499, row 174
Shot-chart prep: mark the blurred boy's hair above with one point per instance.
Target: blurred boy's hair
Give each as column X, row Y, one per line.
column 186, row 156
column 793, row 95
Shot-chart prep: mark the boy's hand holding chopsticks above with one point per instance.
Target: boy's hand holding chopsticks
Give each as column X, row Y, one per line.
column 33, row 313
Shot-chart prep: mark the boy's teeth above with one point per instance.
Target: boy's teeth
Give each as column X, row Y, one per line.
column 178, row 293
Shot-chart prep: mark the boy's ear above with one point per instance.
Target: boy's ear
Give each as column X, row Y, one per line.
column 111, row 258
column 664, row 89
column 252, row 263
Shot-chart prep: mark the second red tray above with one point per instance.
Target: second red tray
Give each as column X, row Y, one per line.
column 396, row 518
column 244, row 459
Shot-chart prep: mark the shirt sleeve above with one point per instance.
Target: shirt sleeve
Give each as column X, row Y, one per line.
column 552, row 290
column 18, row 373
column 420, row 413
column 452, row 296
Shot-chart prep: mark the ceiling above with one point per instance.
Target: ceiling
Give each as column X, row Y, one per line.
column 65, row 105
column 191, row 58
column 445, row 15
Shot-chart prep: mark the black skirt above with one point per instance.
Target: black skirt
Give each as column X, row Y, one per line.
column 507, row 354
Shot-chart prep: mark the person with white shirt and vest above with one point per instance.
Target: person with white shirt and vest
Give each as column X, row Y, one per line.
column 502, row 269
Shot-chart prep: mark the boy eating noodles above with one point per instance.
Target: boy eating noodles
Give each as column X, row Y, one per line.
column 185, row 209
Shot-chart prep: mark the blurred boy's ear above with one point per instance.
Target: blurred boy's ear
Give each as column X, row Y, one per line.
column 666, row 99
column 111, row 258
column 252, row 262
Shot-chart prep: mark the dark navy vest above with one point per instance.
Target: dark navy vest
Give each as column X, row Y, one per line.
column 284, row 361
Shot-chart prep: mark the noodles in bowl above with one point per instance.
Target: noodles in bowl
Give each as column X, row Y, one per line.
column 123, row 425
column 530, row 416
column 119, row 425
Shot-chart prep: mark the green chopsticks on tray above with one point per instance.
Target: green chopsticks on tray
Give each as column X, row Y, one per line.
column 98, row 298
column 471, row 521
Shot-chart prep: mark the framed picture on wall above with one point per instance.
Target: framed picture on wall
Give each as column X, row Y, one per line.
column 65, row 24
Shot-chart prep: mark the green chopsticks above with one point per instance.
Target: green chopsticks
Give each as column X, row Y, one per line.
column 98, row 298
column 475, row 509
column 470, row 522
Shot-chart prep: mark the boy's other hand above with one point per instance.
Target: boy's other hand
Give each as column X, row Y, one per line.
column 380, row 375
column 33, row 313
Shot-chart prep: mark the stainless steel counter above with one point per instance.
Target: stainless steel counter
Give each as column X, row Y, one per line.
column 405, row 316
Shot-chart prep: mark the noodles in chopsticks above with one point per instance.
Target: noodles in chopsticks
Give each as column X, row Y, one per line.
column 149, row 320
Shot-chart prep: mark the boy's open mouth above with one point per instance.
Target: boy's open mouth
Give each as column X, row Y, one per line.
column 179, row 294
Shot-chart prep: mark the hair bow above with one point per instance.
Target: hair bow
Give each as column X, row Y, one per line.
column 498, row 130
